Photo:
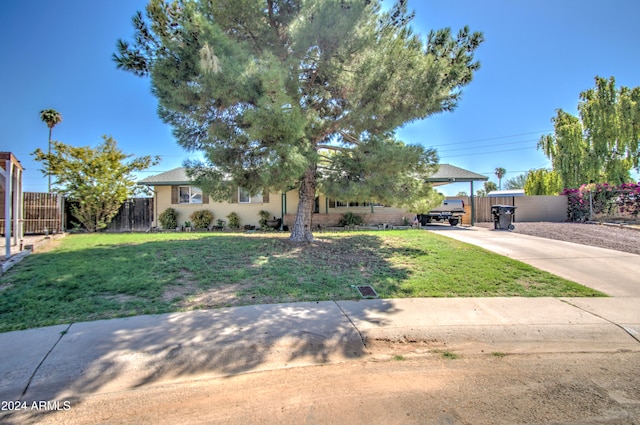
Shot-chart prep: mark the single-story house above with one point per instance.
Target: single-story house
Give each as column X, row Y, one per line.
column 174, row 189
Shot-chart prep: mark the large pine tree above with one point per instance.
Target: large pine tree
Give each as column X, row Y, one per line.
column 299, row 93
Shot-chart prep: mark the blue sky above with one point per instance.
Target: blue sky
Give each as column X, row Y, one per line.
column 538, row 56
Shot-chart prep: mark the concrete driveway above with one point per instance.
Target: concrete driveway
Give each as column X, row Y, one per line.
column 613, row 272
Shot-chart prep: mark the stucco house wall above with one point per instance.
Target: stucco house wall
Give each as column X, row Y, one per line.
column 248, row 212
column 329, row 213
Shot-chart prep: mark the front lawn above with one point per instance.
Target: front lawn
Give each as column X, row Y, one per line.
column 98, row 276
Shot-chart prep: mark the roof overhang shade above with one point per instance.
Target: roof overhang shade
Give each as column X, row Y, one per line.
column 177, row 176
column 448, row 174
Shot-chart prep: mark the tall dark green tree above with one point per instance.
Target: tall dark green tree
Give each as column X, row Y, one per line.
column 601, row 145
column 299, row 93
column 51, row 118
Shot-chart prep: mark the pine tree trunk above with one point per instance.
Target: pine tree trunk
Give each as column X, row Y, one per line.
column 301, row 231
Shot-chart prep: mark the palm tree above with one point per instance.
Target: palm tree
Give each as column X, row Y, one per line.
column 51, row 118
column 500, row 172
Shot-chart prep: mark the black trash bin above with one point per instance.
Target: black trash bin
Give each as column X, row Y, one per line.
column 503, row 217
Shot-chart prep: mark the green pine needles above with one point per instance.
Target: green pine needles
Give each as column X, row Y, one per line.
column 300, row 94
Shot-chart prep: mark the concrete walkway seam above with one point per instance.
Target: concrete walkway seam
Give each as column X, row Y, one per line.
column 62, row 334
column 630, row 332
column 352, row 324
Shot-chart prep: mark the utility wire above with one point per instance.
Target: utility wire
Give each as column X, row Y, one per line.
column 493, row 138
column 487, row 153
column 492, row 145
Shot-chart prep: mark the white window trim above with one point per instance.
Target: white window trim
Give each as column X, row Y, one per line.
column 257, row 199
column 192, row 194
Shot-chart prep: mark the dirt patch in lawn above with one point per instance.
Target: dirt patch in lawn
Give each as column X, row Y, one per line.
column 224, row 296
column 187, row 294
column 123, row 298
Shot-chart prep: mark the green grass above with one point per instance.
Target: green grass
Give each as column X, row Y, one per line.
column 89, row 277
column 450, row 355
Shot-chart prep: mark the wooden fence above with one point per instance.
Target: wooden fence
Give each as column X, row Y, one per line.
column 528, row 208
column 51, row 213
column 42, row 213
column 135, row 215
column 483, row 206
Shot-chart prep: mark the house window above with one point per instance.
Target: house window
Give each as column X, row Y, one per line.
column 245, row 198
column 190, row 195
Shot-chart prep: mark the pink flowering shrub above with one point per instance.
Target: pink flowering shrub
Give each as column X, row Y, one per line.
column 602, row 199
column 629, row 199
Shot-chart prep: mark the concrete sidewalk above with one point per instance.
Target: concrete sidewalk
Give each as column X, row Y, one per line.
column 614, row 273
column 68, row 361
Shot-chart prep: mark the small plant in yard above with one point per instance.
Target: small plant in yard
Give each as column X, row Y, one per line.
column 350, row 219
column 398, row 357
column 187, row 224
column 201, row 219
column 264, row 217
column 234, row 220
column 168, row 218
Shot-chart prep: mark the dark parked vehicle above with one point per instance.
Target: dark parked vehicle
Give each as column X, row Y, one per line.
column 451, row 210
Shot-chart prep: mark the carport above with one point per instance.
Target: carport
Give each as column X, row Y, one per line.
column 447, row 174
column 11, row 193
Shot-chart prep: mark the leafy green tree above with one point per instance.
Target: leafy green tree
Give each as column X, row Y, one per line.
column 543, row 182
column 51, row 118
column 601, row 145
column 500, row 172
column 98, row 180
column 516, row 182
column 278, row 93
column 490, row 186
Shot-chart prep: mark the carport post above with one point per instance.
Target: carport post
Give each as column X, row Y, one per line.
column 283, row 210
column 473, row 206
column 7, row 206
